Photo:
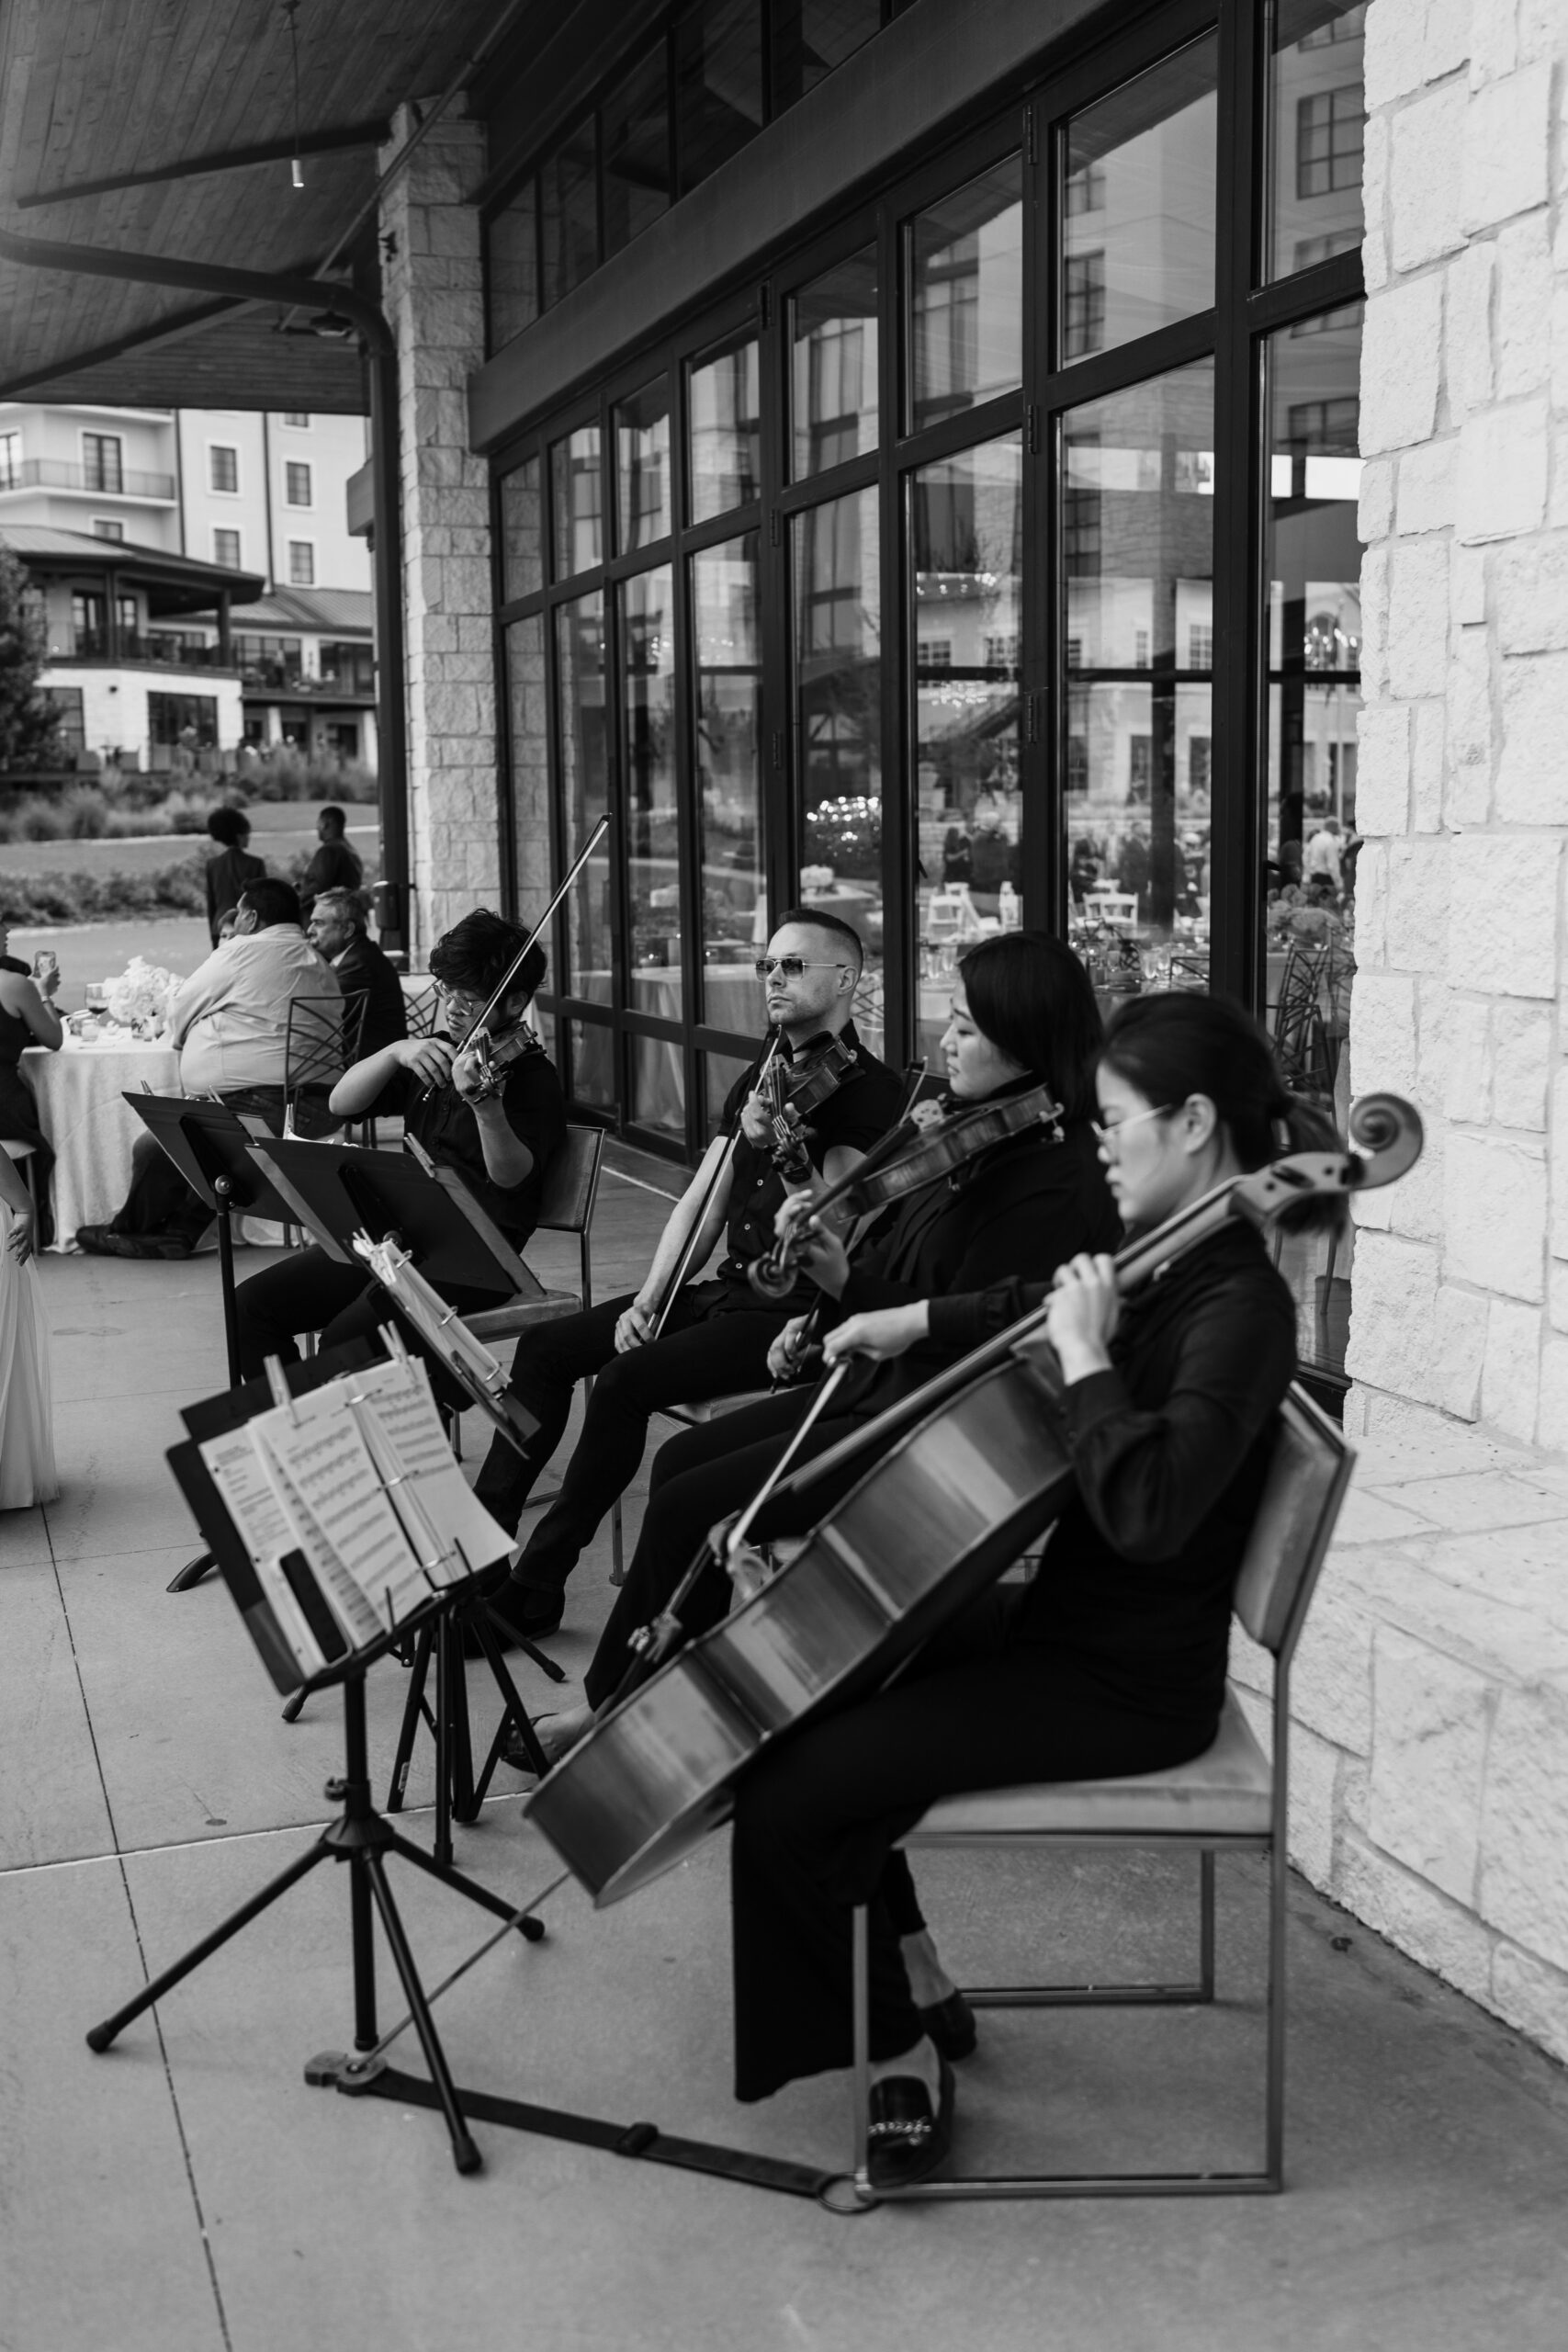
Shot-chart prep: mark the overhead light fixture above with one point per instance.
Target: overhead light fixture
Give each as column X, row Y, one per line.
column 332, row 325
column 291, row 12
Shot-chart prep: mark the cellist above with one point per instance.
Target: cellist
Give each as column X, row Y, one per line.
column 1113, row 1660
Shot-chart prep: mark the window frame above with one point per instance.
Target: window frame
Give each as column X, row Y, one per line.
column 215, row 450
column 309, row 547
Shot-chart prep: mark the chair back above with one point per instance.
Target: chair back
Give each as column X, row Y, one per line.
column 1308, row 1474
column 572, row 1181
column 420, row 1007
column 1112, row 906
column 1298, row 1016
column 322, row 1038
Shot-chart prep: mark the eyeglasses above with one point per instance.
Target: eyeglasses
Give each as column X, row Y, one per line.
column 792, row 967
column 1107, row 1137
column 458, row 999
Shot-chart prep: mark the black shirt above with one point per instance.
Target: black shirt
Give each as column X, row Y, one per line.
column 1016, row 1212
column 1169, row 1448
column 439, row 1119
column 335, row 867
column 227, row 875
column 363, row 968
column 862, row 1107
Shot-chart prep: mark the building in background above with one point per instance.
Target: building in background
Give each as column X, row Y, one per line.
column 144, row 518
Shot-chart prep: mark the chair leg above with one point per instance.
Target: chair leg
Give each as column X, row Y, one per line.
column 861, row 2079
column 1274, row 2060
column 1206, row 1922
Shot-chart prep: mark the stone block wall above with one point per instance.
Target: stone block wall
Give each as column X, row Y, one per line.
column 1433, row 1698
column 434, row 299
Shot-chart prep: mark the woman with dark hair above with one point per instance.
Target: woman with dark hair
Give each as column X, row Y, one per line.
column 1113, row 1660
column 228, row 873
column 1023, row 1014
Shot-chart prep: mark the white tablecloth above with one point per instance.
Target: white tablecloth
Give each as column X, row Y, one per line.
column 79, row 1091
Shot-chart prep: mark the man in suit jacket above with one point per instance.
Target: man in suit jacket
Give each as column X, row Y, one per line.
column 337, row 931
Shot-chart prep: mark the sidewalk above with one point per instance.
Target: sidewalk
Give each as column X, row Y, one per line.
column 188, row 2193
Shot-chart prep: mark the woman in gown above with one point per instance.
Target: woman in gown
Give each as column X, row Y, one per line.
column 26, row 1018
column 1113, row 1660
column 26, row 1432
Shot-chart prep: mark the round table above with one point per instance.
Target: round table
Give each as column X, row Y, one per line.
column 81, row 1109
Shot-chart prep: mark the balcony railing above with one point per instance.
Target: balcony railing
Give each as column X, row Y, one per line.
column 164, row 653
column 276, row 677
column 101, row 481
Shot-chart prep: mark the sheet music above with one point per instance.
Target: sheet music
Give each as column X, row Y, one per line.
column 399, row 1415
column 240, row 1475
column 328, row 1483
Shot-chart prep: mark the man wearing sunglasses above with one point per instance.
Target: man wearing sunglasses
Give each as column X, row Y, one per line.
column 715, row 1339
column 500, row 1147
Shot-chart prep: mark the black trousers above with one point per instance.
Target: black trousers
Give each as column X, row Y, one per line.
column 699, row 1477
column 308, row 1291
column 816, row 1818
column 705, row 1351
column 160, row 1201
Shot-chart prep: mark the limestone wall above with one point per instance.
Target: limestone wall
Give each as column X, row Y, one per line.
column 1435, row 1796
column 434, row 299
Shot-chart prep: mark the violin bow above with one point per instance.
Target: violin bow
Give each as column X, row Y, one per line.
column 503, row 987
column 684, row 1265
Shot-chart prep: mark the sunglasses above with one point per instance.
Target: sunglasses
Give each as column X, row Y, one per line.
column 792, row 967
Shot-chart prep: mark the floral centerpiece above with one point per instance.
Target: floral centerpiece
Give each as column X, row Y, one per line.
column 138, row 1000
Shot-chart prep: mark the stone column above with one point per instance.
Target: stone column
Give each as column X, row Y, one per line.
column 433, row 297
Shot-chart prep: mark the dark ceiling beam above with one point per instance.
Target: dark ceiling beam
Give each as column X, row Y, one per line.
column 173, row 329
column 232, row 159
column 201, row 277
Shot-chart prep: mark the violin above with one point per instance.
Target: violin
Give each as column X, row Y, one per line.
column 957, row 1480
column 495, row 1054
column 907, row 1159
column 791, row 1091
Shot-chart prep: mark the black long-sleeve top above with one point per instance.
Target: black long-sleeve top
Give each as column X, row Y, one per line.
column 1016, row 1213
column 1170, row 1447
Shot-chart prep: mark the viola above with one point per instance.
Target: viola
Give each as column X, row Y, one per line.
column 791, row 1091
column 494, row 1063
column 961, row 1475
column 906, row 1160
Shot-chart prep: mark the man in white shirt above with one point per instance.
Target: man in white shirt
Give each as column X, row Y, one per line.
column 1322, row 853
column 230, row 1021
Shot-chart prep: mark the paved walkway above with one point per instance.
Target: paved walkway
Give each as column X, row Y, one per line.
column 188, row 2193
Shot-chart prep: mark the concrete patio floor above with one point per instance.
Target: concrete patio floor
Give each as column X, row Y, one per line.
column 188, row 2193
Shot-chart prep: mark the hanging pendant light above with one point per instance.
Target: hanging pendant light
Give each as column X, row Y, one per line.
column 291, row 11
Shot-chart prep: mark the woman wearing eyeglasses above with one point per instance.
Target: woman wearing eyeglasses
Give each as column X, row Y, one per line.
column 1023, row 1014
column 501, row 1146
column 1113, row 1660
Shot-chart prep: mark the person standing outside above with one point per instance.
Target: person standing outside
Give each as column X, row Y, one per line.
column 228, row 873
column 335, row 866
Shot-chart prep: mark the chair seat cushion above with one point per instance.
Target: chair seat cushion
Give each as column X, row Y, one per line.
column 1225, row 1790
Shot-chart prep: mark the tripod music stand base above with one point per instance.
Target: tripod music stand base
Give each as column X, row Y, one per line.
column 193, row 1572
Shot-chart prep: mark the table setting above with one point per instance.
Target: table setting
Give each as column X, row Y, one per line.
column 111, row 1048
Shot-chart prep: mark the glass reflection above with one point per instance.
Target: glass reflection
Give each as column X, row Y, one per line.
column 513, row 275
column 592, row 1046
column 577, row 502
column 834, row 333
column 584, row 780
column 1313, row 564
column 726, row 430
column 718, row 84
column 966, row 541
column 719, row 1074
column 636, row 119
column 966, row 275
column 568, row 214
column 521, row 530
column 642, row 466
column 810, row 36
column 1138, row 206
column 728, row 700
column 528, row 746
column 1316, row 127
column 1137, row 569
column 836, row 551
column 653, row 869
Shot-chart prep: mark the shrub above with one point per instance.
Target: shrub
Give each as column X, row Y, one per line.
column 27, row 899
column 288, row 774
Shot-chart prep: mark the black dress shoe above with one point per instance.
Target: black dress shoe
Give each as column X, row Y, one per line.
column 951, row 2025
column 905, row 2140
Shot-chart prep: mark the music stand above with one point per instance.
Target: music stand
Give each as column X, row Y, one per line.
column 338, row 1191
column 360, row 1836
column 209, row 1143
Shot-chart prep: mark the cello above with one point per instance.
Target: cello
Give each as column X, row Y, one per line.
column 963, row 1474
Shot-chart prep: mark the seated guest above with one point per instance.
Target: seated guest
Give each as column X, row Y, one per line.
column 228, row 873
column 499, row 1144
column 335, row 866
column 715, row 1338
column 338, row 932
column 27, row 1017
column 230, row 1021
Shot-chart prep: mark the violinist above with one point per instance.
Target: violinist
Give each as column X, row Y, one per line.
column 1113, row 1660
column 715, row 1336
column 500, row 1143
column 1023, row 1013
